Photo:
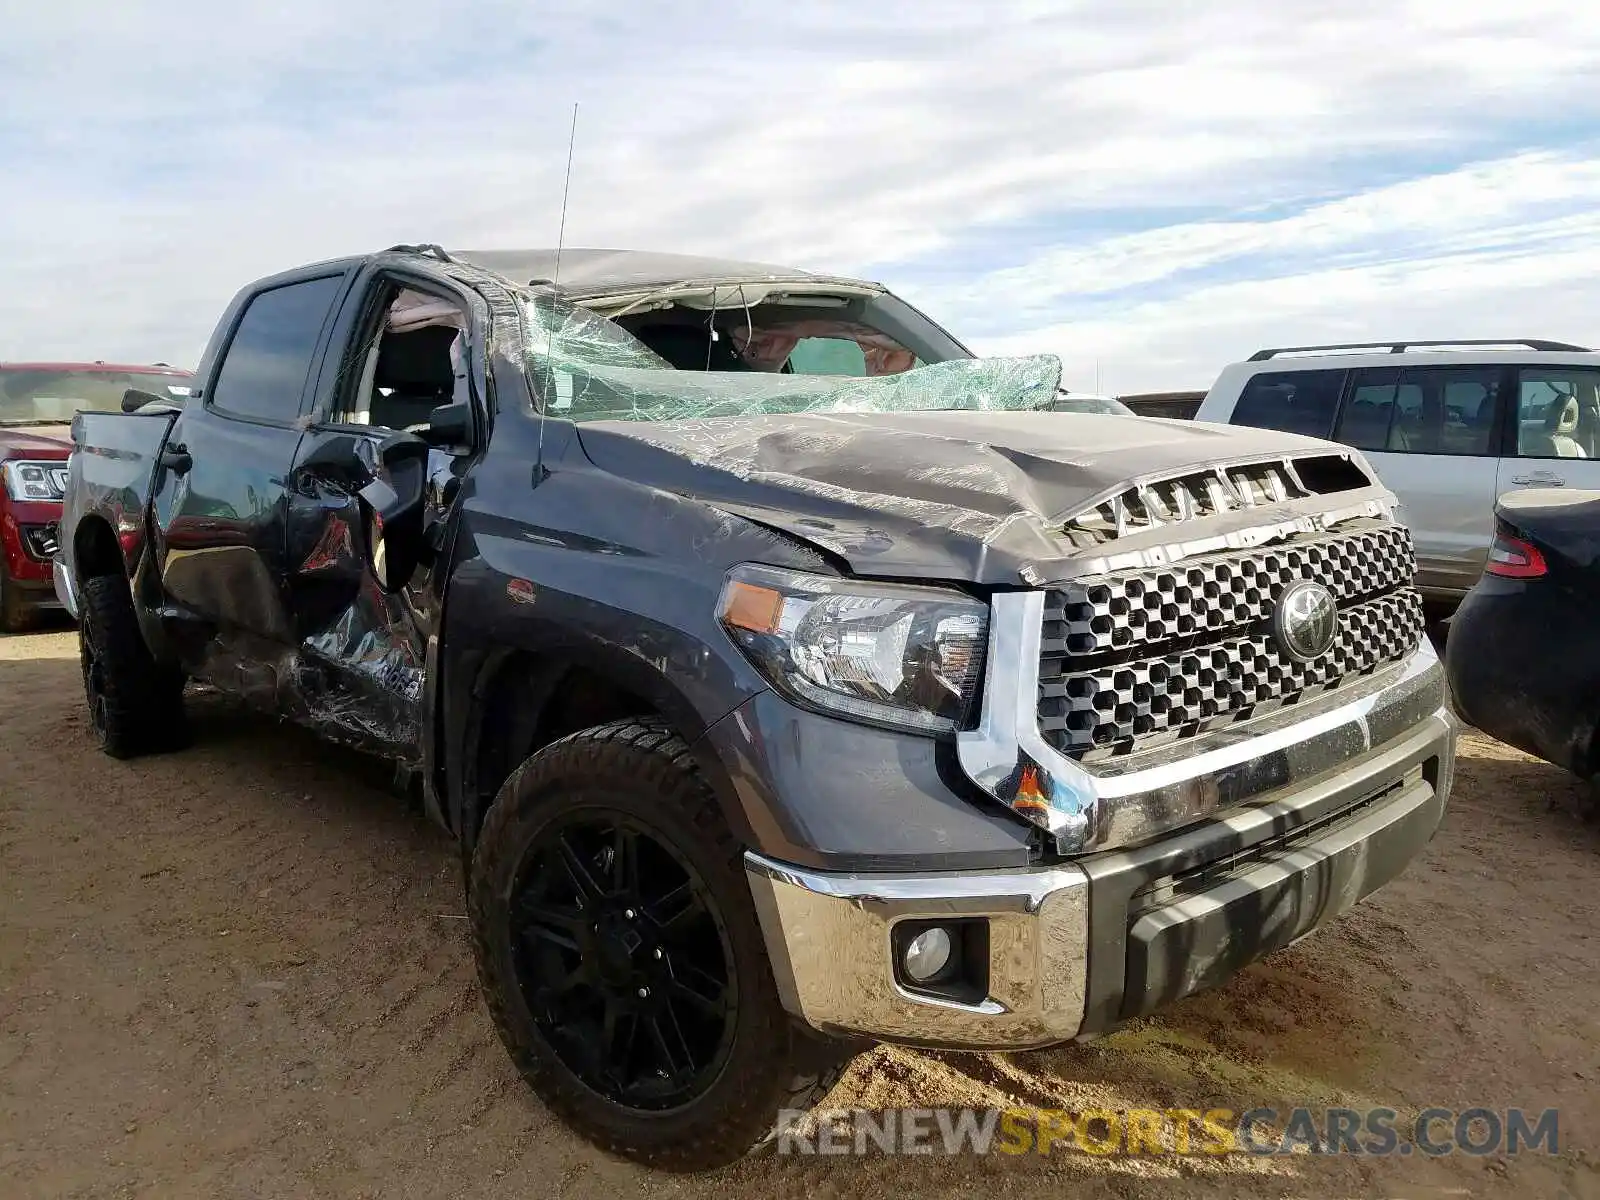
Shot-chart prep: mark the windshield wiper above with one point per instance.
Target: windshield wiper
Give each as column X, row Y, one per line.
column 11, row 424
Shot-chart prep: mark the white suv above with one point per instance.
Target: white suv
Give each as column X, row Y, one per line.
column 1449, row 426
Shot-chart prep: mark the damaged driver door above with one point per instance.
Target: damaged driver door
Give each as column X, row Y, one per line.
column 366, row 513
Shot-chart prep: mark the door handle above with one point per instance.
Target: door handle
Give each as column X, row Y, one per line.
column 176, row 459
column 1544, row 477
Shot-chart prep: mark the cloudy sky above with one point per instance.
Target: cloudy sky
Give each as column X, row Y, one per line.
column 1149, row 189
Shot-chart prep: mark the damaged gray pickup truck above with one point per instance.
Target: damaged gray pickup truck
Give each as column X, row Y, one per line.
column 789, row 677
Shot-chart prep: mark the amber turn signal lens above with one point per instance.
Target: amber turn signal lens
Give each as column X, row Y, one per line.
column 747, row 606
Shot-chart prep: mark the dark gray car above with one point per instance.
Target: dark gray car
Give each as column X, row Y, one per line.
column 781, row 695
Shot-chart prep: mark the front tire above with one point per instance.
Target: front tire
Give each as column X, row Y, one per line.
column 135, row 706
column 622, row 960
column 16, row 614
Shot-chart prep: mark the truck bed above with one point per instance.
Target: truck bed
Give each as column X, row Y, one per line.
column 113, row 469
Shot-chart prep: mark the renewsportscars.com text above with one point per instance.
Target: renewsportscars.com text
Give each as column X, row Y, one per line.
column 1149, row 1131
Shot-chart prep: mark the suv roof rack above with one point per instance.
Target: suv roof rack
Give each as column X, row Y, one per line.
column 1402, row 347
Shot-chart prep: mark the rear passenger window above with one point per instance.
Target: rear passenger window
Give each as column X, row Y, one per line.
column 264, row 369
column 1471, row 411
column 1291, row 401
column 1369, row 414
column 1427, row 410
column 828, row 356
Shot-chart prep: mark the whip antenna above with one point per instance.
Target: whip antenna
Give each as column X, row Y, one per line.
column 539, row 469
column 566, row 189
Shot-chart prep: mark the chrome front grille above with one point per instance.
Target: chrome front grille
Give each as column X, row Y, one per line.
column 1132, row 661
column 1226, row 591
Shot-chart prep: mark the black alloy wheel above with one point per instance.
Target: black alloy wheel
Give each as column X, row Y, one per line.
column 623, row 961
column 622, row 957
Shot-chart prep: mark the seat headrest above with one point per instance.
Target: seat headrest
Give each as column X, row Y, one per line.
column 418, row 361
column 1562, row 415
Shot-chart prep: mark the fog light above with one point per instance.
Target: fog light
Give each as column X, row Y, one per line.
column 928, row 954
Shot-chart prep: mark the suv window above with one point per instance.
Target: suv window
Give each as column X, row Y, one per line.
column 1291, row 401
column 1471, row 403
column 1426, row 410
column 1369, row 414
column 1558, row 412
column 264, row 369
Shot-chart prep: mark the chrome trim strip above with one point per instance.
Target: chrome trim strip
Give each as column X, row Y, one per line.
column 1009, row 759
column 63, row 585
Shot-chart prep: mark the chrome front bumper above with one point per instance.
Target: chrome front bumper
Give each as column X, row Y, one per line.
column 1336, row 810
column 64, row 589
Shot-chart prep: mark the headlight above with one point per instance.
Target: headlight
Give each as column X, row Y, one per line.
column 901, row 656
column 34, row 480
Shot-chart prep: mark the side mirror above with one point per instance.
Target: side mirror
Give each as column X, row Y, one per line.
column 133, row 400
column 449, row 425
column 392, row 502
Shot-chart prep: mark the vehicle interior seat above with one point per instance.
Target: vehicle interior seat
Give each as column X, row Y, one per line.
column 413, row 376
column 1561, row 423
column 1556, row 436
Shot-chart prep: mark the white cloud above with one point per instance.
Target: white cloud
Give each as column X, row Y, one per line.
column 1509, row 248
column 1459, row 210
column 158, row 156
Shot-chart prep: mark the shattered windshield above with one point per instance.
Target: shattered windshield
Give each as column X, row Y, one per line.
column 588, row 368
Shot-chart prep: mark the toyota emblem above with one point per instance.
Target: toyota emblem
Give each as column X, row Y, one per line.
column 1306, row 621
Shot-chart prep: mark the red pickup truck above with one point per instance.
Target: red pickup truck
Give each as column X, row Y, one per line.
column 37, row 404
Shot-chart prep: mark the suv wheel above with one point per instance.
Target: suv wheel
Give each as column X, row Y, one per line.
column 621, row 957
column 135, row 707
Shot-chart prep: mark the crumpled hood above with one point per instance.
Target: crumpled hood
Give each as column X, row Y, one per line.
column 19, row 441
column 971, row 496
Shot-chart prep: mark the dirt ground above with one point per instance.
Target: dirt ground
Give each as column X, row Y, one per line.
column 243, row 971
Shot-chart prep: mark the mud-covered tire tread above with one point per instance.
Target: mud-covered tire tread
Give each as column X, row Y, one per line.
column 144, row 702
column 657, row 761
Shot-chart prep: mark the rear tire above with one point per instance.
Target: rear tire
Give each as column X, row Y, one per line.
column 588, row 859
column 135, row 706
column 16, row 614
